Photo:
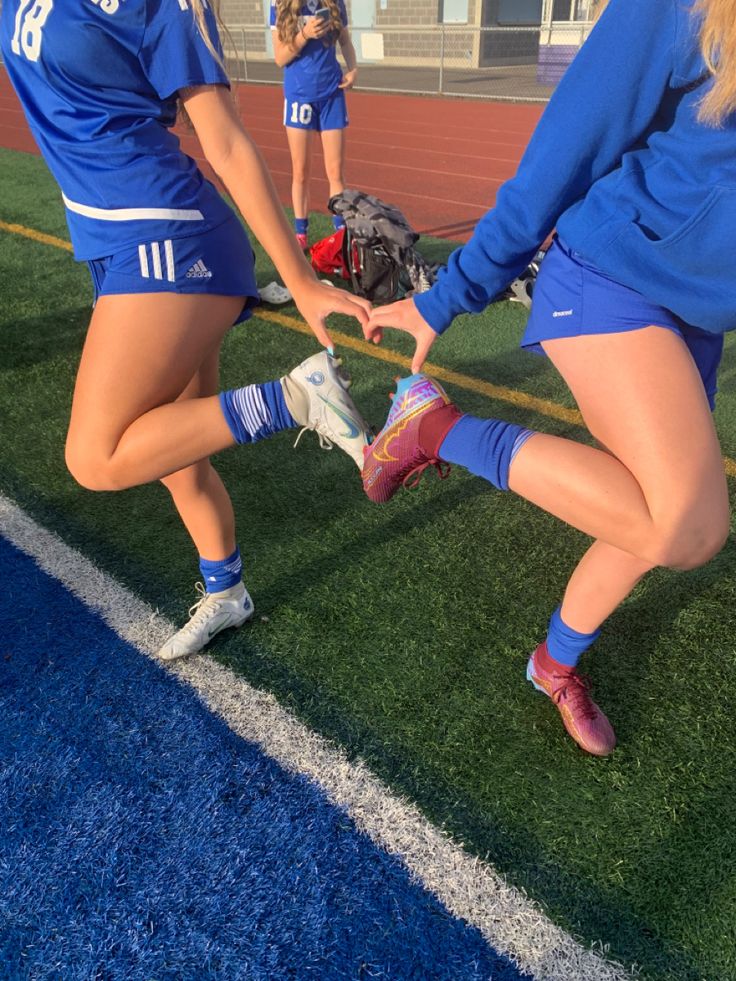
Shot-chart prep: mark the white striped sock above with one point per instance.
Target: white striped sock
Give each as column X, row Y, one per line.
column 252, row 409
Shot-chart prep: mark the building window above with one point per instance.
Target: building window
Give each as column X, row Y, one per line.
column 453, row 11
column 520, row 11
column 571, row 9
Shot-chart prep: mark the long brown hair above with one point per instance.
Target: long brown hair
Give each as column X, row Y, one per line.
column 287, row 20
column 198, row 12
column 717, row 35
column 213, row 45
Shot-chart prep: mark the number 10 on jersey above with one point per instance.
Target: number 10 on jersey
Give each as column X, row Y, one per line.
column 298, row 112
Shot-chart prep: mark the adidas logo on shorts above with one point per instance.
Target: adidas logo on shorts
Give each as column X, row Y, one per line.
column 198, row 271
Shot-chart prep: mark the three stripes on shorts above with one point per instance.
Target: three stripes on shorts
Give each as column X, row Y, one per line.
column 157, row 262
column 154, row 265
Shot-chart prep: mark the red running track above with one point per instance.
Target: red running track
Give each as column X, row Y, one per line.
column 440, row 160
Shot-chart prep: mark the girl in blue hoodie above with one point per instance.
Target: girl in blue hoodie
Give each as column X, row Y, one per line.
column 634, row 164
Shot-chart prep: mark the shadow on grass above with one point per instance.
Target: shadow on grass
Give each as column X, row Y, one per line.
column 30, row 343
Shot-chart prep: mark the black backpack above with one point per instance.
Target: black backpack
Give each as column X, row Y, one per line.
column 378, row 248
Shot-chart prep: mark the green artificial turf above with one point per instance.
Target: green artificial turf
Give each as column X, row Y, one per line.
column 402, row 631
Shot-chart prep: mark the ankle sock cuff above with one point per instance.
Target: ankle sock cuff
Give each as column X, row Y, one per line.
column 221, row 574
column 565, row 645
column 434, row 428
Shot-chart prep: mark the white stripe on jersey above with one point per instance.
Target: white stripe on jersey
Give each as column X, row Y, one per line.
column 132, row 214
column 183, row 4
column 143, row 258
column 169, row 250
column 156, row 256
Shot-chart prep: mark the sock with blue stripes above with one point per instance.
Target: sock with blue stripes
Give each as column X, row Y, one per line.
column 338, row 222
column 256, row 412
column 221, row 574
column 485, row 447
column 565, row 645
column 302, row 226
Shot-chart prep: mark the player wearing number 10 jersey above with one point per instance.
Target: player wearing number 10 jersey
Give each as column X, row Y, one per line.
column 100, row 82
column 305, row 35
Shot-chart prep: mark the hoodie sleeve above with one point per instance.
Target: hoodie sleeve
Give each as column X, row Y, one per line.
column 603, row 105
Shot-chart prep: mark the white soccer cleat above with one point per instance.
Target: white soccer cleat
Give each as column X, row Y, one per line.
column 211, row 613
column 316, row 394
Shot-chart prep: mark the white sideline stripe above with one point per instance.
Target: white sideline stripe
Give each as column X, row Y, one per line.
column 143, row 258
column 169, row 250
column 468, row 887
column 133, row 214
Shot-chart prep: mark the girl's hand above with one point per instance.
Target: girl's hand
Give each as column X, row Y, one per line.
column 402, row 316
column 315, row 27
column 348, row 79
column 316, row 301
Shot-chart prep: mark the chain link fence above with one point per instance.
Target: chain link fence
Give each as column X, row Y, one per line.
column 503, row 63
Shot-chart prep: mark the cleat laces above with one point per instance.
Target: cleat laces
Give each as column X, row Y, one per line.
column 198, row 611
column 573, row 688
column 418, row 464
column 325, row 443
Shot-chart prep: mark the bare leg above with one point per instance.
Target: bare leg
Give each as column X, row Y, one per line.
column 141, row 352
column 602, row 580
column 659, row 497
column 333, row 148
column 198, row 493
column 300, row 147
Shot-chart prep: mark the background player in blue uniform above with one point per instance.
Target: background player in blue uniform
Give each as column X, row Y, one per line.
column 100, row 81
column 305, row 36
column 634, row 162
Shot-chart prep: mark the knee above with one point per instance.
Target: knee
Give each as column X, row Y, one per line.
column 90, row 470
column 300, row 175
column 693, row 543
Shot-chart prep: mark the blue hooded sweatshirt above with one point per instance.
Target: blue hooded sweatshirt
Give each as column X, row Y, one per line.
column 620, row 164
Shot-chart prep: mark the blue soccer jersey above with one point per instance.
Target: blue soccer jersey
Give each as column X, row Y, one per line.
column 98, row 81
column 315, row 73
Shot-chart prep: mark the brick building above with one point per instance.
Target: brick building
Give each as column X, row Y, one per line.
column 459, row 34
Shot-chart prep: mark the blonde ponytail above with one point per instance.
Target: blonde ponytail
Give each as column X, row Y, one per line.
column 718, row 45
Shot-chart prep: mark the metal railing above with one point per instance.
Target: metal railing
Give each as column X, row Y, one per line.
column 505, row 63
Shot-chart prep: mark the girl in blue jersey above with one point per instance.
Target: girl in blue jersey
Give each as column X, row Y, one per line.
column 305, row 35
column 100, row 81
column 634, row 163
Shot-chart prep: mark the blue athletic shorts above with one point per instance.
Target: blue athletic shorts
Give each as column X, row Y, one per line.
column 218, row 261
column 330, row 113
column 572, row 298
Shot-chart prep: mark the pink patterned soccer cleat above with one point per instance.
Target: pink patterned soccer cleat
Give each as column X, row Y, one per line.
column 420, row 418
column 569, row 690
column 302, row 241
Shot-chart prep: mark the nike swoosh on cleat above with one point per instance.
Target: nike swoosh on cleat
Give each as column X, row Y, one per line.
column 353, row 430
column 220, row 626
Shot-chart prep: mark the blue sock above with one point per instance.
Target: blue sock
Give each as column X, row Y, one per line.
column 486, row 447
column 565, row 644
column 222, row 573
column 338, row 222
column 302, row 226
column 256, row 411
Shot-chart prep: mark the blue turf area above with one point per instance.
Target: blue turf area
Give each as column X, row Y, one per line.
column 142, row 839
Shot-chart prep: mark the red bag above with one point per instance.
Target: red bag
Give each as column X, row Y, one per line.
column 327, row 255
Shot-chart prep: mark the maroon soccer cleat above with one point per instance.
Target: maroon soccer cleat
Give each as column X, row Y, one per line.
column 569, row 690
column 420, row 418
